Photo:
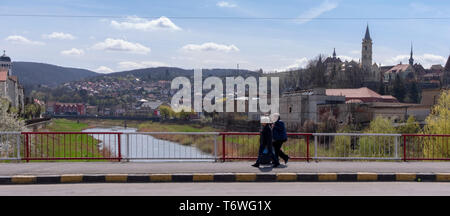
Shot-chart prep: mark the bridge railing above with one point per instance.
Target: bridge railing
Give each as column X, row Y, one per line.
column 245, row 146
column 170, row 146
column 356, row 146
column 10, row 145
column 426, row 147
column 47, row 146
column 217, row 146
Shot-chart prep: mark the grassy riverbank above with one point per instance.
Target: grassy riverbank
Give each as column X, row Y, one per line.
column 65, row 145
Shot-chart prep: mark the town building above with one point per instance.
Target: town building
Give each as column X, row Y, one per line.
column 297, row 107
column 57, row 108
column 9, row 84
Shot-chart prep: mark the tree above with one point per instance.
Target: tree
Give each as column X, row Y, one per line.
column 399, row 89
column 438, row 122
column 413, row 93
column 411, row 126
column 9, row 120
column 378, row 145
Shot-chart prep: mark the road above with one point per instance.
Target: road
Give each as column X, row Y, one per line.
column 232, row 189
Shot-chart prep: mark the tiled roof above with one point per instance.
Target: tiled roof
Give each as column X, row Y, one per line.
column 353, row 93
column 398, row 68
column 363, row 94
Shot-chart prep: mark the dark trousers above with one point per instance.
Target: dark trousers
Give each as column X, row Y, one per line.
column 271, row 153
column 278, row 152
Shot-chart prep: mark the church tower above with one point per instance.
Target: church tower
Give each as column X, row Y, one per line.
column 366, row 53
column 5, row 63
column 411, row 60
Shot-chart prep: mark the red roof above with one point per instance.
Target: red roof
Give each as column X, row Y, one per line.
column 363, row 94
column 398, row 68
column 353, row 93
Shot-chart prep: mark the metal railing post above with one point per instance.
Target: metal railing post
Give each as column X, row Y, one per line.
column 307, row 148
column 396, row 147
column 404, row 148
column 223, row 147
column 118, row 145
column 27, row 151
column 18, row 146
column 215, row 148
column 315, row 147
column 128, row 148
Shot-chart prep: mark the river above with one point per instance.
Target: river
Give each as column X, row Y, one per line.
column 146, row 148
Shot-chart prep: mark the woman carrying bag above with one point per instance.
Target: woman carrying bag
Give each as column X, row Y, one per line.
column 265, row 144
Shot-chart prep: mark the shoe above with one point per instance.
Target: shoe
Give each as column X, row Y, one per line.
column 255, row 165
column 276, row 165
column 286, row 160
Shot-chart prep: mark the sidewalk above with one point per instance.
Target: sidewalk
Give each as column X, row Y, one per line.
column 58, row 168
column 101, row 172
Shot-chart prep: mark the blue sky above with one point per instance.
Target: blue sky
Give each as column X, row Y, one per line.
column 137, row 33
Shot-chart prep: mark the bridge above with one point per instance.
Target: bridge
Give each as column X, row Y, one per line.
column 217, row 146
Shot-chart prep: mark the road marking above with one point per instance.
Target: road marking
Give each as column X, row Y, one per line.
column 365, row 176
column 23, row 179
column 160, row 177
column 245, row 176
column 71, row 178
column 327, row 176
column 116, row 178
column 286, row 177
column 405, row 176
column 203, row 177
column 442, row 176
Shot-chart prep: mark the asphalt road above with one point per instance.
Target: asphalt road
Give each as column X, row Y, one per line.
column 57, row 168
column 232, row 189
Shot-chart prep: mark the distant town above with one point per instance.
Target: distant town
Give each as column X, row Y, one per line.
column 348, row 92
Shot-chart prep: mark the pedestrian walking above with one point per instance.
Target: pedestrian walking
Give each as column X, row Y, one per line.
column 266, row 149
column 279, row 136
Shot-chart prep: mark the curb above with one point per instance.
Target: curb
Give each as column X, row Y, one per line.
column 226, row 177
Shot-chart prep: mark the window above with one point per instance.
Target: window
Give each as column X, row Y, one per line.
column 290, row 109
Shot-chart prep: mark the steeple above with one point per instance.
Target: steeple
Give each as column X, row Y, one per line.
column 367, row 36
column 334, row 53
column 411, row 60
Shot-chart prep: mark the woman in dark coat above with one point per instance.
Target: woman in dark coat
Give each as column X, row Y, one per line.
column 265, row 141
column 279, row 136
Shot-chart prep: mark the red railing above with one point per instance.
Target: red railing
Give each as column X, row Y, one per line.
column 235, row 146
column 72, row 146
column 245, row 146
column 426, row 147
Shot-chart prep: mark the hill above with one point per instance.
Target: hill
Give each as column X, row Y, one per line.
column 32, row 74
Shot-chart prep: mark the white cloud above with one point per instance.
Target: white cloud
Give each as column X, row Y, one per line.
column 73, row 52
column 121, row 45
column 59, row 35
column 103, row 69
column 347, row 58
column 426, row 60
column 298, row 63
column 136, row 23
column 129, row 65
column 17, row 39
column 226, row 4
column 210, row 46
column 317, row 11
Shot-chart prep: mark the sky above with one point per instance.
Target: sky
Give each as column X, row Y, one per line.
column 110, row 36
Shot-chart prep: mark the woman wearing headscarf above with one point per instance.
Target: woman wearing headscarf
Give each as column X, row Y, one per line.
column 265, row 142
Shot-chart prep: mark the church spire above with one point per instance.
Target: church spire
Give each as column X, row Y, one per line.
column 411, row 60
column 367, row 36
column 334, row 53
